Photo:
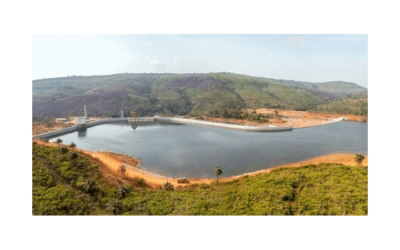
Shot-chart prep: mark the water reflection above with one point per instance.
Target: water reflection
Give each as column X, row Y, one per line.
column 82, row 132
column 193, row 151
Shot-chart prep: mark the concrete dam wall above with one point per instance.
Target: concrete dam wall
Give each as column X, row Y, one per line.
column 174, row 120
column 222, row 125
column 75, row 128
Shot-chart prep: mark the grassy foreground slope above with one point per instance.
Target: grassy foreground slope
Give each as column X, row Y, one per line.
column 73, row 184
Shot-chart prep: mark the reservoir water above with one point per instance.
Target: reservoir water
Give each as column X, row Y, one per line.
column 194, row 151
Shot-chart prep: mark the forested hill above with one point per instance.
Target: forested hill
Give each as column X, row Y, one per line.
column 338, row 87
column 178, row 94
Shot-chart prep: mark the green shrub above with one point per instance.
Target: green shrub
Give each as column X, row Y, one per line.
column 61, row 188
column 139, row 182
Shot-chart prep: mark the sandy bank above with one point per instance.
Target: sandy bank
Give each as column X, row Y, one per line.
column 155, row 179
column 113, row 161
column 296, row 119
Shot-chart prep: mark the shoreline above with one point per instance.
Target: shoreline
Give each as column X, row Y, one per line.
column 158, row 179
column 337, row 158
column 187, row 121
column 113, row 160
column 303, row 119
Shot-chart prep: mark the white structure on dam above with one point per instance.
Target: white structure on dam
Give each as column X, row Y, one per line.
column 81, row 120
column 141, row 119
column 222, row 125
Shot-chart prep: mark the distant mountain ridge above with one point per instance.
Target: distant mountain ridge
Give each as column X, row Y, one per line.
column 339, row 88
column 179, row 94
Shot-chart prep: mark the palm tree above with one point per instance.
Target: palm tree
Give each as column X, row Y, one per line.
column 72, row 145
column 113, row 205
column 73, row 156
column 123, row 190
column 218, row 171
column 168, row 186
column 359, row 158
column 90, row 186
column 58, row 141
column 64, row 150
column 122, row 170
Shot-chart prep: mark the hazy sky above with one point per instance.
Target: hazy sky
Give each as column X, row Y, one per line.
column 313, row 58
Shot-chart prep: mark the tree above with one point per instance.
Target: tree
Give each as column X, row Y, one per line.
column 168, row 186
column 90, row 185
column 166, row 113
column 113, row 205
column 122, row 170
column 218, row 171
column 64, row 150
column 58, row 141
column 123, row 190
column 72, row 145
column 45, row 140
column 359, row 158
column 73, row 156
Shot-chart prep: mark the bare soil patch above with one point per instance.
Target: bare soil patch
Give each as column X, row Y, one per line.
column 296, row 119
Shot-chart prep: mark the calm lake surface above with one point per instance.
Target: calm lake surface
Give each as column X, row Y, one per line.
column 194, row 151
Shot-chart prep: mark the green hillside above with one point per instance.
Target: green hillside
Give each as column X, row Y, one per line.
column 72, row 184
column 178, row 94
column 336, row 87
column 357, row 105
column 340, row 87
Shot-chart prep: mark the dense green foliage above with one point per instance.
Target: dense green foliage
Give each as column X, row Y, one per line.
column 74, row 186
column 58, row 183
column 239, row 114
column 177, row 94
column 357, row 105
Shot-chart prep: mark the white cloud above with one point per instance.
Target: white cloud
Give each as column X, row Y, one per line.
column 157, row 63
column 158, row 66
column 270, row 53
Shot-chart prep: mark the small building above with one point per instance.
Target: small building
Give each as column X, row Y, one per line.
column 81, row 120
